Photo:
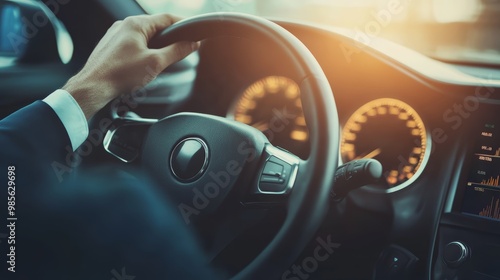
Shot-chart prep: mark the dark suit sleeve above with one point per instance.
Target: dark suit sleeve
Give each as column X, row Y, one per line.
column 33, row 139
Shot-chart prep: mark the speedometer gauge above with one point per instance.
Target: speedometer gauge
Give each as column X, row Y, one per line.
column 391, row 132
column 273, row 106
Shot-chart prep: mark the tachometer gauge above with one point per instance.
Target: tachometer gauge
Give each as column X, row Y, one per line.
column 273, row 106
column 390, row 131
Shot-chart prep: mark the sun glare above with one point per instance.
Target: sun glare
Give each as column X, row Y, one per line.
column 462, row 11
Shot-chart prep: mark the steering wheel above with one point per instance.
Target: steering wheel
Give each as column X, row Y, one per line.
column 201, row 159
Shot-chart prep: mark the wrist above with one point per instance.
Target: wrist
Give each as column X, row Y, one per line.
column 91, row 96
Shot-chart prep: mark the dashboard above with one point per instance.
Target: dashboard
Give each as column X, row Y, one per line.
column 435, row 128
column 418, row 117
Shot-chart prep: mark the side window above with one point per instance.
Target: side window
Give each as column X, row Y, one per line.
column 31, row 34
column 11, row 32
column 35, row 52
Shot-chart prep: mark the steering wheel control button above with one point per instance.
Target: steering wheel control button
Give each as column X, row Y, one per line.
column 455, row 253
column 275, row 176
column 272, row 179
column 273, row 169
column 189, row 159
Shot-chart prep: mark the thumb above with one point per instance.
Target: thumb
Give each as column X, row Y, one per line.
column 175, row 52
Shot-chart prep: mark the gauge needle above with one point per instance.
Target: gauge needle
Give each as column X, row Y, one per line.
column 262, row 126
column 373, row 154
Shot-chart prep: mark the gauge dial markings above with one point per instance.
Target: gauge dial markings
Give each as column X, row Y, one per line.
column 391, row 126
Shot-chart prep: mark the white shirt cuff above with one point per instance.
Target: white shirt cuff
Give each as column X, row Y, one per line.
column 71, row 115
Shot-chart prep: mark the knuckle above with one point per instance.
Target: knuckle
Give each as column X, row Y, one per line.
column 117, row 23
column 132, row 21
column 169, row 18
column 155, row 58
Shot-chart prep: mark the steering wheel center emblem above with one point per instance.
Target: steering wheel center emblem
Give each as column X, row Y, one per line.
column 189, row 159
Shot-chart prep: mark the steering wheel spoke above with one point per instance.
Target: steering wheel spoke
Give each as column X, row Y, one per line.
column 125, row 137
column 276, row 177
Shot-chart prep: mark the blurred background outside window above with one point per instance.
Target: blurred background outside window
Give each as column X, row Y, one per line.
column 464, row 31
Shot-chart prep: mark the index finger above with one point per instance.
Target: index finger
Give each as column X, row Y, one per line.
column 156, row 23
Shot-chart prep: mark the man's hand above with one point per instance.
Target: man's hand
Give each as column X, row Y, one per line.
column 119, row 62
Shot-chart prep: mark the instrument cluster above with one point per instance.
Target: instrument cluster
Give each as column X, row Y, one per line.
column 388, row 130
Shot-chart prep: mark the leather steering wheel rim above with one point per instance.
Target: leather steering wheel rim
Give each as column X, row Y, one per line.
column 309, row 200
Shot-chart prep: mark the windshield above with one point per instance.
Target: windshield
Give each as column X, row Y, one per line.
column 464, row 31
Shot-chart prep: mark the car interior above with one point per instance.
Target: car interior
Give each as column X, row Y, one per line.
column 316, row 151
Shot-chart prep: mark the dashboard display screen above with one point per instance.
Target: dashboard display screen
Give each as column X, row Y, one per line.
column 482, row 194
